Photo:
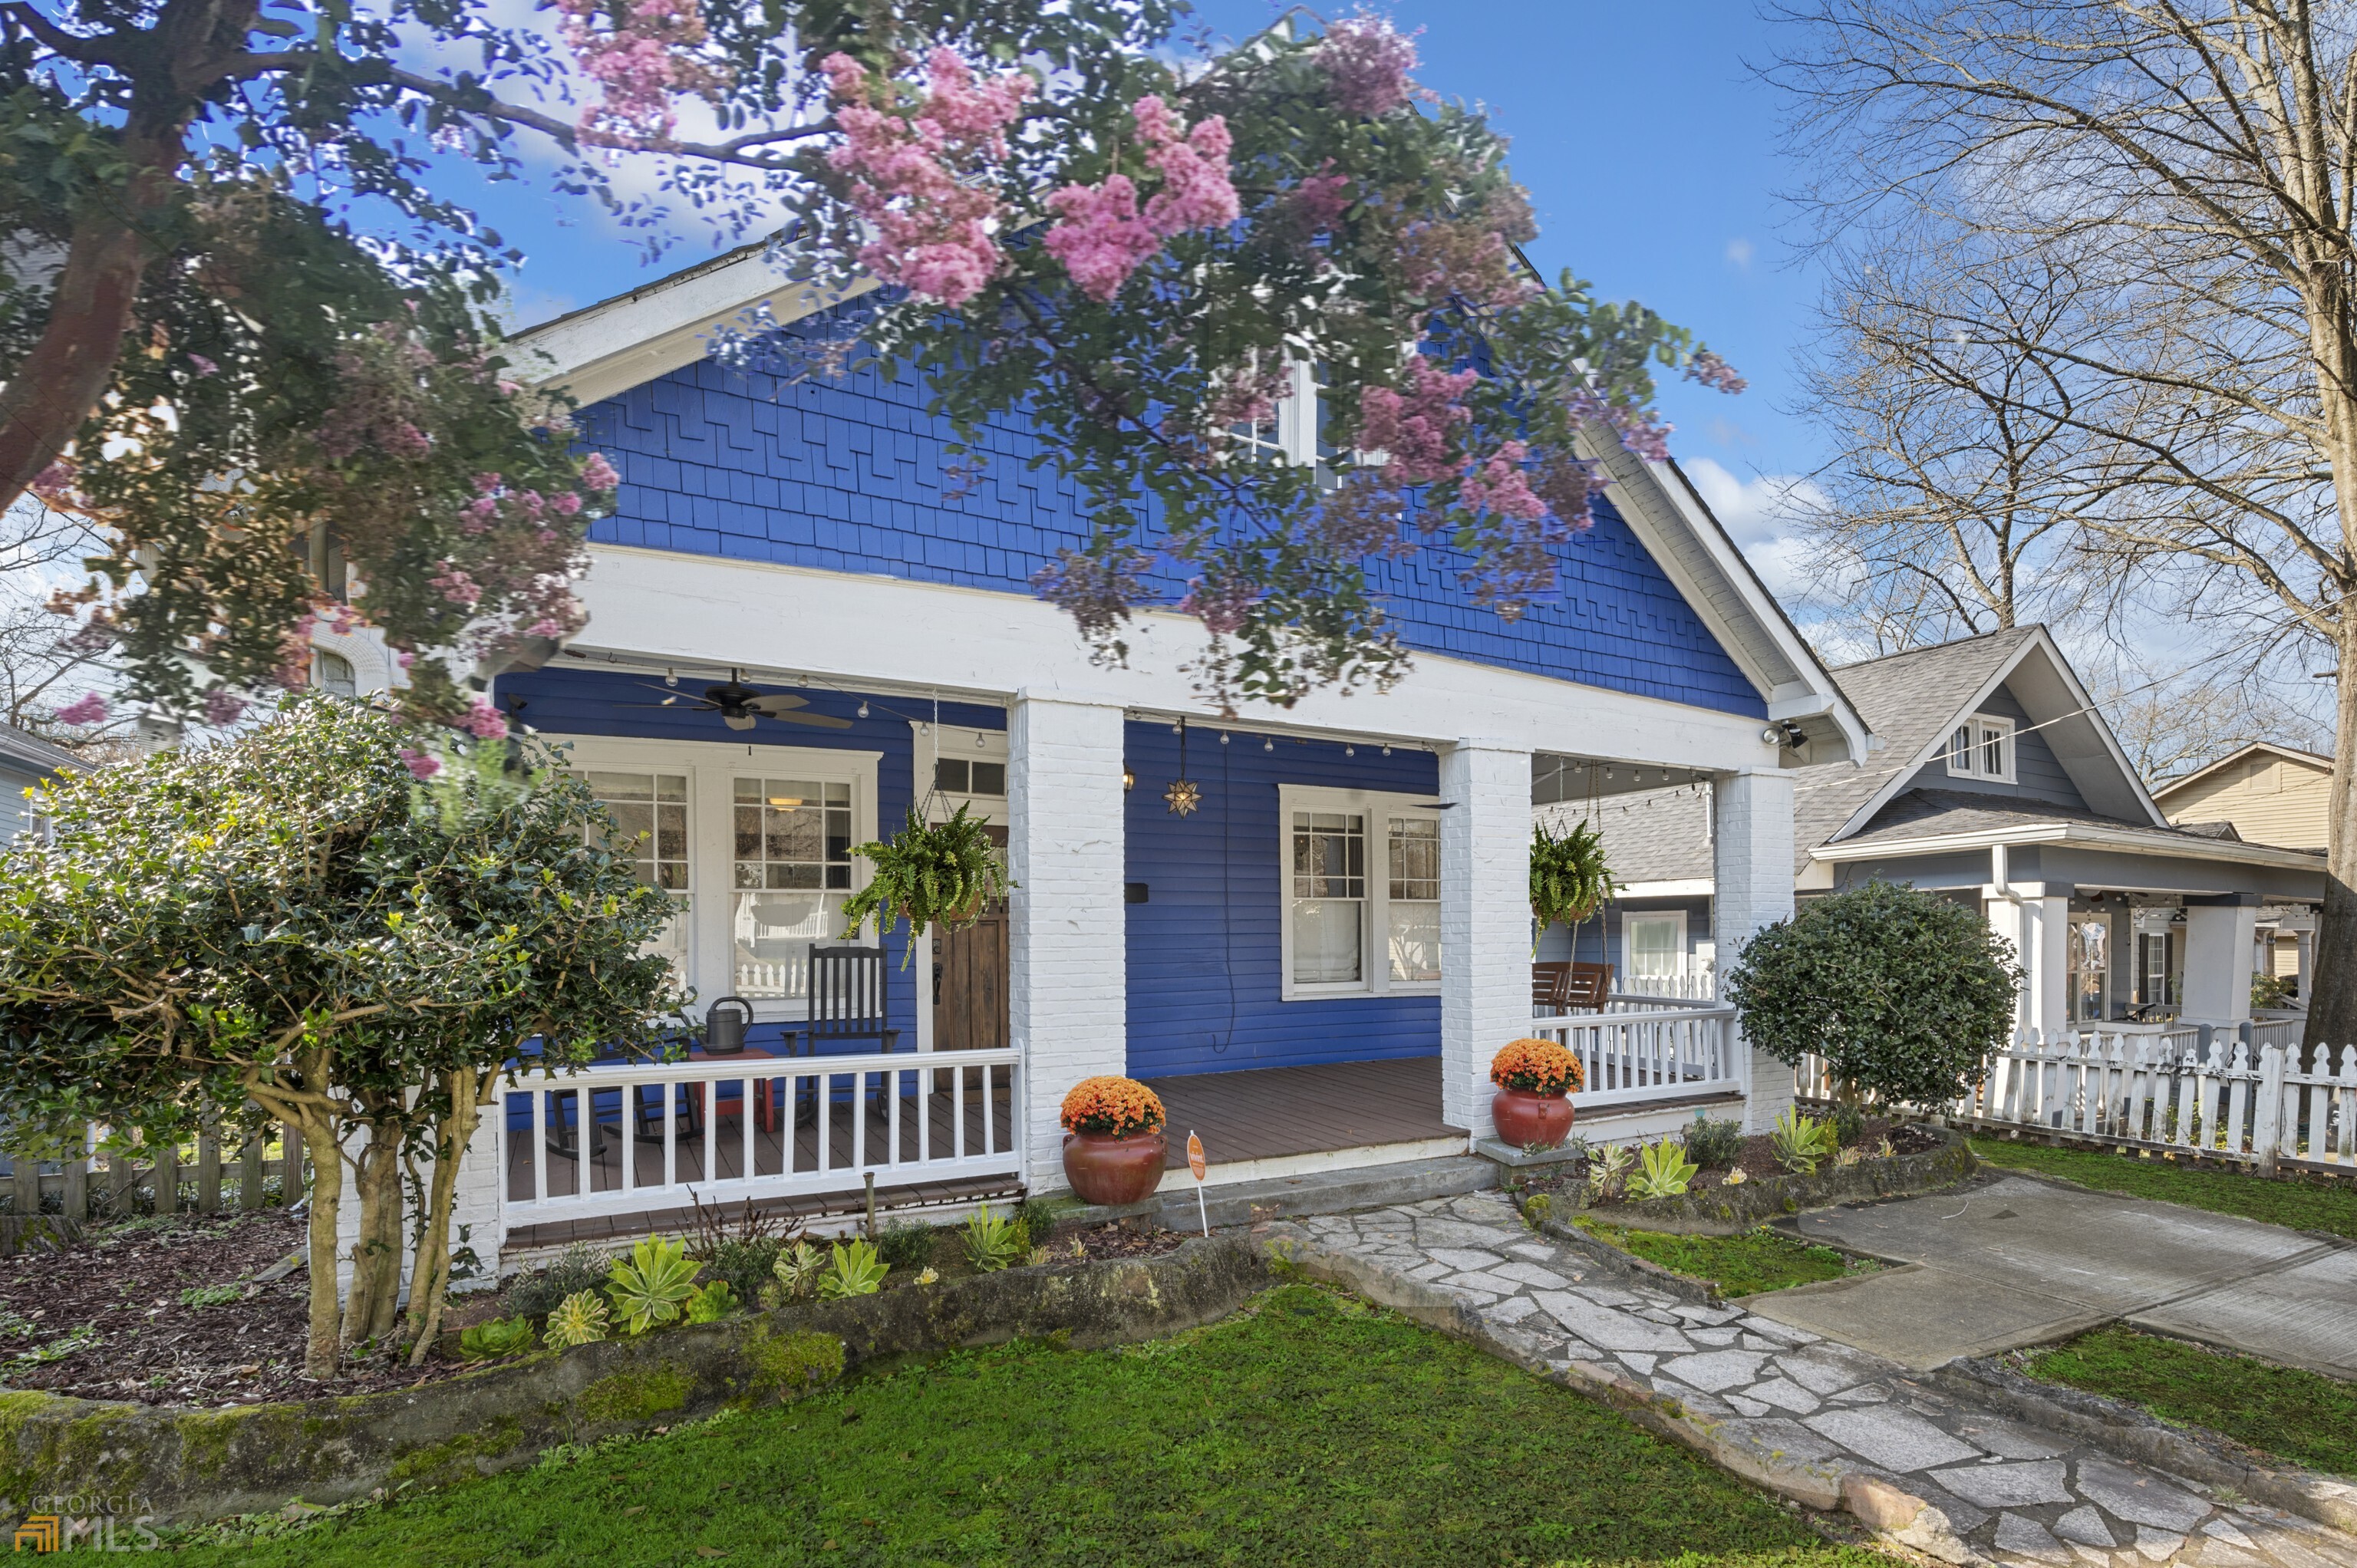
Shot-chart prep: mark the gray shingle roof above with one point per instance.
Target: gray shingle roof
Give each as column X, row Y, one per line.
column 1931, row 813
column 1652, row 835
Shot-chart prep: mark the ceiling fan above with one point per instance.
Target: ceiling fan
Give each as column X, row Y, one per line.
column 740, row 707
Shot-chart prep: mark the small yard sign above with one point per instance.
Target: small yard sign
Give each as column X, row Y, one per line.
column 1195, row 1163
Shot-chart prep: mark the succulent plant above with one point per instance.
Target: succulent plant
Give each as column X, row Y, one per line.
column 580, row 1318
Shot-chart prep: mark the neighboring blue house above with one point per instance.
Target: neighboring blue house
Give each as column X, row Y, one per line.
column 1313, row 967
column 25, row 760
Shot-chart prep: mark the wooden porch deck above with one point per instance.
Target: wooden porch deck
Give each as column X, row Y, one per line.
column 1263, row 1113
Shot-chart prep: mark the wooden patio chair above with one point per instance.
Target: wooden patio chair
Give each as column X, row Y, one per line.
column 849, row 992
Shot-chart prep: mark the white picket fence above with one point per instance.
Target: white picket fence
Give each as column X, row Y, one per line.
column 1645, row 1047
column 2166, row 1093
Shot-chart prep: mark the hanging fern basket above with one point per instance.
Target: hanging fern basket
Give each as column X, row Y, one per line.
column 934, row 875
column 1569, row 880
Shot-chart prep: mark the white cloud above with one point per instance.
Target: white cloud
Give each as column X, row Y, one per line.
column 1738, row 254
column 1759, row 513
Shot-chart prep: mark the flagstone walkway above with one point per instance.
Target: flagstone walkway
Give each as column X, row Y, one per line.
column 1813, row 1419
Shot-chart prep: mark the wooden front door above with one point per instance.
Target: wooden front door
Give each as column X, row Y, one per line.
column 969, row 985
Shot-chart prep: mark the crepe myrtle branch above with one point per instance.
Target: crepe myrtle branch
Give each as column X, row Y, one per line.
column 468, row 95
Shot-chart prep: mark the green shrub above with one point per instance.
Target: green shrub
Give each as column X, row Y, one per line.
column 1710, row 1144
column 745, row 1266
column 856, row 1271
column 1849, row 1122
column 652, row 1285
column 1902, row 991
column 578, row 1268
column 711, row 1302
column 501, row 1337
column 579, row 1319
column 1667, row 1172
column 1800, row 1142
column 906, row 1245
column 993, row 1241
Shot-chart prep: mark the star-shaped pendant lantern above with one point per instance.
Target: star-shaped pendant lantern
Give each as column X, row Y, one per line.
column 1184, row 794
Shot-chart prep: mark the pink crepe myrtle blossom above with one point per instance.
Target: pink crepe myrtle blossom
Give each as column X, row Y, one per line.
column 642, row 57
column 1569, row 486
column 204, row 366
column 421, row 765
column 1715, row 373
column 1097, row 593
column 1416, row 429
column 485, row 721
column 919, row 180
column 1316, row 205
column 598, row 474
column 1366, row 64
column 1221, row 605
column 88, row 709
column 1362, row 516
column 223, row 708
column 456, row 586
column 1499, row 484
column 1102, row 234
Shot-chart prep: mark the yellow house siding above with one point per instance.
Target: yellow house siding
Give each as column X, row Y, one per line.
column 2270, row 799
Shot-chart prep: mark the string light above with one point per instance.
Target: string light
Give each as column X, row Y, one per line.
column 1267, row 745
column 1349, row 751
column 863, row 709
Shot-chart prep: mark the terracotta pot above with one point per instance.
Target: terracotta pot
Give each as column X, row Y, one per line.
column 1108, row 1170
column 1526, row 1117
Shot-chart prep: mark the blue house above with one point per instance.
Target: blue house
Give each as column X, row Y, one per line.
column 25, row 760
column 804, row 627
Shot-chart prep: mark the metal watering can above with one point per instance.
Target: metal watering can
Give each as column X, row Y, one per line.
column 723, row 1032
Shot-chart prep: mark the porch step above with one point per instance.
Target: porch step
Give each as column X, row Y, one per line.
column 1317, row 1192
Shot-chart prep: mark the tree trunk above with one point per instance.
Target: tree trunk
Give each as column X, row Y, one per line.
column 326, row 1158
column 52, row 390
column 2332, row 989
column 374, row 1304
column 429, row 1277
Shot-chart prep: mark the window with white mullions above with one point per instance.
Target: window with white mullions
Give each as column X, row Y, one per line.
column 791, row 875
column 1330, row 897
column 649, row 812
column 1982, row 747
column 1362, row 893
column 1414, row 899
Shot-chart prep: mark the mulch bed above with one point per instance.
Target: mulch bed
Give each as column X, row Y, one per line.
column 1100, row 1243
column 124, row 1285
column 1758, row 1156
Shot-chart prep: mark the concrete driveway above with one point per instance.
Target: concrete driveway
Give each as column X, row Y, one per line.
column 2010, row 1262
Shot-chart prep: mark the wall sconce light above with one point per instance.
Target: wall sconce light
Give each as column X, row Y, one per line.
column 1128, row 781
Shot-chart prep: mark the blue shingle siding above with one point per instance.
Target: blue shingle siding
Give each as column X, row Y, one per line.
column 2037, row 774
column 560, row 702
column 1204, row 950
column 848, row 476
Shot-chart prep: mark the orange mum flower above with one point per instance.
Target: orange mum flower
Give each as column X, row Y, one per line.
column 1111, row 1106
column 1540, row 1067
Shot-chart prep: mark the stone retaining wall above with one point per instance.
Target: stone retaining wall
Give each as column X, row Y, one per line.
column 1728, row 1211
column 179, row 1465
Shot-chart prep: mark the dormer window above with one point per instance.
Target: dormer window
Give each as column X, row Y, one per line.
column 1294, row 431
column 1982, row 747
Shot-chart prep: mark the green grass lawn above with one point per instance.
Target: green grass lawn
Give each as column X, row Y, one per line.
column 2301, row 1416
column 2302, row 1205
column 1309, row 1429
column 1739, row 1265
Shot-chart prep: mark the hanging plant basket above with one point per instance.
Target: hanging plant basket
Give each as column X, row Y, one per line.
column 935, row 875
column 1569, row 881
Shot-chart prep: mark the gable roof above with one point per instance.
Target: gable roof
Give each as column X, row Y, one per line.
column 1920, row 820
column 30, row 751
column 641, row 336
column 1914, row 701
column 2292, row 754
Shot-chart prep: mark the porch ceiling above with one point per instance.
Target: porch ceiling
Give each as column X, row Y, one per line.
column 1556, row 777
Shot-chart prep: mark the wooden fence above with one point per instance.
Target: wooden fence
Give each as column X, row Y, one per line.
column 49, row 1198
column 2272, row 1106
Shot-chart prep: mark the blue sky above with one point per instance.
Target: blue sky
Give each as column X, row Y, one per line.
column 1650, row 157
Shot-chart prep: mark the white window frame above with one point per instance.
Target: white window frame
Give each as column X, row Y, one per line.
column 1378, row 807
column 957, row 742
column 1980, row 731
column 1629, row 941
column 712, row 769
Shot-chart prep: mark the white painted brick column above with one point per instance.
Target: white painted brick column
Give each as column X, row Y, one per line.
column 2218, row 943
column 1485, row 920
column 474, row 1204
column 1751, row 862
column 1068, row 981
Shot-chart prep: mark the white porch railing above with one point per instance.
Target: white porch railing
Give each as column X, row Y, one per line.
column 753, row 1127
column 1693, row 985
column 2162, row 1092
column 1647, row 1048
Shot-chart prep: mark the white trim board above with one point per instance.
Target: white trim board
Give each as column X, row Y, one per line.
column 665, row 607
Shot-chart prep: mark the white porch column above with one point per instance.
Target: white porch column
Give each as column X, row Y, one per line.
column 2038, row 924
column 1485, row 920
column 1067, row 982
column 1752, row 867
column 2218, row 938
column 477, row 1216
